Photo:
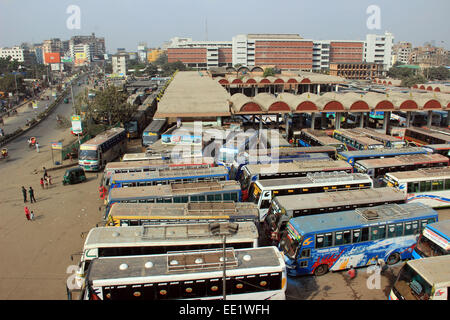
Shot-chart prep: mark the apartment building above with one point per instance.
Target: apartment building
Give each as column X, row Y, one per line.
column 119, row 64
column 17, row 53
column 379, row 48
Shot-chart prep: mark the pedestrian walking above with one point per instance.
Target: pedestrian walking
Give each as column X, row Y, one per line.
column 42, row 183
column 31, row 215
column 45, row 173
column 27, row 213
column 37, row 147
column 49, row 180
column 24, row 192
column 31, row 192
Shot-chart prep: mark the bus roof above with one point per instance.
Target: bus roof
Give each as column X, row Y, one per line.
column 360, row 216
column 267, row 259
column 373, row 133
column 434, row 270
column 382, row 152
column 166, row 174
column 405, row 160
column 173, row 233
column 157, row 162
column 442, row 146
column 317, row 177
column 104, row 136
column 429, row 132
column 185, row 210
column 341, row 198
column 175, row 189
column 421, row 174
column 361, row 138
column 298, row 166
column 443, row 227
column 315, row 149
column 155, row 125
column 322, row 136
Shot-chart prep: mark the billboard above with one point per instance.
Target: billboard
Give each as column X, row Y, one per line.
column 76, row 125
column 80, row 58
column 52, row 57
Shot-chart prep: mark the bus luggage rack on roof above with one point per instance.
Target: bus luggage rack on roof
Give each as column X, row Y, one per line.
column 443, row 171
column 212, row 207
column 175, row 231
column 388, row 211
column 200, row 260
column 330, row 176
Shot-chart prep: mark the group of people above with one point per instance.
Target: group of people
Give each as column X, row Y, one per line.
column 46, row 180
column 28, row 214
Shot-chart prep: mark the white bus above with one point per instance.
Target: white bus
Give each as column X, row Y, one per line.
column 159, row 239
column 423, row 279
column 251, row 274
column 430, row 186
column 263, row 191
column 105, row 147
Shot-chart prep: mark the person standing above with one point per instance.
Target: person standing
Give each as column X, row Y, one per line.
column 37, row 146
column 24, row 192
column 45, row 173
column 31, row 192
column 27, row 213
column 31, row 215
column 42, row 183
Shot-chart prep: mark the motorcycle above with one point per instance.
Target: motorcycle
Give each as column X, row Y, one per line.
column 4, row 153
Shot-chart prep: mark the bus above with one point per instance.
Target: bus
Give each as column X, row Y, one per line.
column 423, row 279
column 105, row 147
column 176, row 193
column 153, row 165
column 311, row 138
column 280, row 155
column 443, row 149
column 434, row 240
column 159, row 239
column 422, row 136
column 263, row 191
column 353, row 156
column 251, row 274
column 254, row 172
column 430, row 186
column 153, row 131
column 136, row 214
column 356, row 141
column 272, row 139
column 136, row 124
column 161, row 177
column 237, row 142
column 377, row 168
column 284, row 208
column 387, row 140
column 353, row 238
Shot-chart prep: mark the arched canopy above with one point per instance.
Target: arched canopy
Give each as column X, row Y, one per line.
column 242, row 104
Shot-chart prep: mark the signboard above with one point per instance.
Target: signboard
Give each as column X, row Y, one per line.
column 52, row 57
column 56, row 145
column 66, row 59
column 76, row 125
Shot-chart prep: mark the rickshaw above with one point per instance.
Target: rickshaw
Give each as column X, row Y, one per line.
column 4, row 154
column 74, row 175
column 32, row 142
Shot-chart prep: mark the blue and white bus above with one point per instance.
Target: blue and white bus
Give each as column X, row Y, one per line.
column 310, row 138
column 105, row 147
column 353, row 156
column 430, row 186
column 434, row 240
column 160, row 177
column 356, row 238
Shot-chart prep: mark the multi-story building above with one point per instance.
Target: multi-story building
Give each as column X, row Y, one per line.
column 119, row 64
column 96, row 45
column 17, row 53
column 82, row 53
column 402, row 51
column 429, row 56
column 356, row 70
column 142, row 52
column 153, row 54
column 378, row 49
column 335, row 51
column 39, row 53
column 54, row 45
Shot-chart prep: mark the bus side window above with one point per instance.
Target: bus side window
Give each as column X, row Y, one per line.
column 408, row 228
column 306, row 253
column 447, row 183
column 378, row 232
column 413, row 187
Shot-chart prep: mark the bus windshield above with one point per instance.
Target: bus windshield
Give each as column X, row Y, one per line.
column 88, row 155
column 411, row 286
column 289, row 245
column 339, row 147
column 428, row 248
column 131, row 126
column 254, row 193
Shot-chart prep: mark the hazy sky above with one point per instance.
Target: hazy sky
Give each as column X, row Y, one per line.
column 125, row 23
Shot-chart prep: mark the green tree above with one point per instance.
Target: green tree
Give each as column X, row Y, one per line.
column 438, row 73
column 8, row 83
column 412, row 80
column 400, row 73
column 269, row 72
column 162, row 59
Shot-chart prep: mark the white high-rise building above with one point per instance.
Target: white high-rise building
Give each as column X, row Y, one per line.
column 142, row 52
column 119, row 64
column 16, row 53
column 379, row 49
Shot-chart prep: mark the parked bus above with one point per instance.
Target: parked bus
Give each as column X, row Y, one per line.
column 136, row 214
column 272, row 139
column 176, row 193
column 252, row 274
column 136, row 124
column 430, row 186
column 353, row 156
column 254, row 172
column 105, row 147
column 423, row 279
column 355, row 141
column 263, row 191
column 277, row 157
column 311, row 138
column 434, row 240
column 443, row 149
column 159, row 239
column 377, row 168
column 237, row 142
column 422, row 136
column 160, row 177
column 354, row 238
column 153, row 165
column 284, row 208
column 153, row 132
column 387, row 140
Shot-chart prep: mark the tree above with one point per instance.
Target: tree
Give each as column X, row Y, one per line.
column 8, row 83
column 400, row 73
column 269, row 72
column 439, row 73
column 162, row 59
column 412, row 80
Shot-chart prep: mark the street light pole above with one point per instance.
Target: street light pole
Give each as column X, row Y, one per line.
column 224, row 277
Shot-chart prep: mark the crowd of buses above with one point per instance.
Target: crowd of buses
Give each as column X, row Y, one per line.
column 327, row 201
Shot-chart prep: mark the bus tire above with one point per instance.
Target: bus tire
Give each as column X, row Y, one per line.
column 321, row 270
column 393, row 258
